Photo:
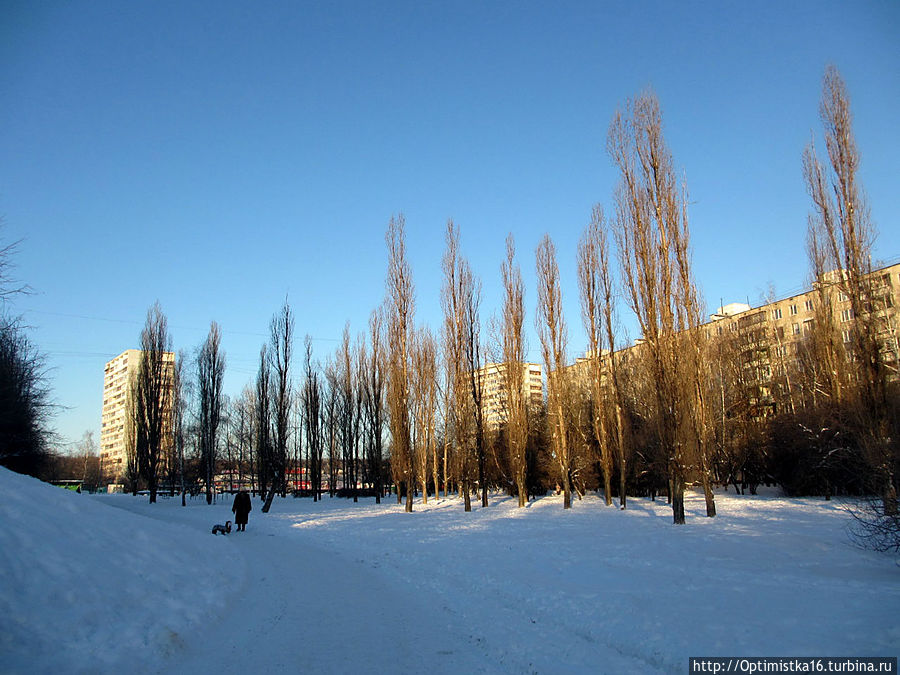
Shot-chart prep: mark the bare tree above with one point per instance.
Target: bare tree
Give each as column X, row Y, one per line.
column 349, row 426
column 263, row 414
column 424, row 399
column 461, row 299
column 652, row 233
column 400, row 310
column 245, row 432
column 281, row 340
column 88, row 461
column 620, row 427
column 24, row 398
column 180, row 393
column 311, row 397
column 470, row 289
column 455, row 417
column 210, row 376
column 152, row 393
column 841, row 236
column 551, row 327
column 331, row 422
column 373, row 389
column 589, row 271
column 516, row 398
column 25, row 406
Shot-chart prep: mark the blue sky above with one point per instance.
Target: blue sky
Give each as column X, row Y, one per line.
column 220, row 157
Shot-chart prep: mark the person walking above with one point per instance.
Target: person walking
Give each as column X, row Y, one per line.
column 241, row 509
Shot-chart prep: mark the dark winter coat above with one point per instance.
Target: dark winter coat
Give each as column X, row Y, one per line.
column 241, row 508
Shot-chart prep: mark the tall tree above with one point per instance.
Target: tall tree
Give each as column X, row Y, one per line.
column 311, row 398
column 210, row 376
column 607, row 311
column 424, row 398
column 589, row 272
column 652, row 232
column 344, row 361
column 263, row 414
column 373, row 389
column 470, row 294
column 152, row 394
column 400, row 310
column 551, row 327
column 245, row 432
column 180, row 391
column 331, row 421
column 461, row 298
column 281, row 340
column 516, row 397
column 841, row 235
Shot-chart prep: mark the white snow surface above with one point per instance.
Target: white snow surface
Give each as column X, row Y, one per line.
column 109, row 582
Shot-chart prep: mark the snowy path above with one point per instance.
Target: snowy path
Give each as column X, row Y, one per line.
column 110, row 583
column 299, row 607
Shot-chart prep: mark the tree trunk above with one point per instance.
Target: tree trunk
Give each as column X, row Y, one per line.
column 710, row 498
column 890, row 497
column 607, row 487
column 271, row 494
column 677, row 498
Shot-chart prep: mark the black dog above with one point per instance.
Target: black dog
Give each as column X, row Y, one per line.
column 224, row 529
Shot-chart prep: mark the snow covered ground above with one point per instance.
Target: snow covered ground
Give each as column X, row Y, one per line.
column 100, row 583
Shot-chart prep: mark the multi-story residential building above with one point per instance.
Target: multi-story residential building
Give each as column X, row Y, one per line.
column 768, row 341
column 118, row 405
column 493, row 376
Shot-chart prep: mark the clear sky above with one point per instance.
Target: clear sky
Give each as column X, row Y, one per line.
column 221, row 156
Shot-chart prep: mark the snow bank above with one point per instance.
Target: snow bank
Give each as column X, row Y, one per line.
column 86, row 587
column 334, row 587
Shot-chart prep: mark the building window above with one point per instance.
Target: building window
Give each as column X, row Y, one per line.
column 793, row 310
column 809, row 305
column 796, row 328
column 776, row 313
column 843, row 297
column 846, row 335
column 846, row 315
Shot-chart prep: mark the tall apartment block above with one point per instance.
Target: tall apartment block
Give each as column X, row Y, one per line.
column 117, row 406
column 492, row 377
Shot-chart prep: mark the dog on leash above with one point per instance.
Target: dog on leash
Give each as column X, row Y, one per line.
column 224, row 529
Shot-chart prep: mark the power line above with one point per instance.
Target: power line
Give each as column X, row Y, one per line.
column 225, row 330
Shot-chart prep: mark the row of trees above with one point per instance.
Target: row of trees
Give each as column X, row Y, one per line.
column 686, row 405
column 404, row 407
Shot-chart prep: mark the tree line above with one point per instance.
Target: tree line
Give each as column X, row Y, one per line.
column 400, row 408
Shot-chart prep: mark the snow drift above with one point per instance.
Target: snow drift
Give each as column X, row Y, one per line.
column 92, row 583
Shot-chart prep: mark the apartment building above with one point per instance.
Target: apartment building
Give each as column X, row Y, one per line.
column 768, row 340
column 118, row 405
column 493, row 377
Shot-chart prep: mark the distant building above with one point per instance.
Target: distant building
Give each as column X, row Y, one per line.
column 116, row 431
column 493, row 381
column 769, row 339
